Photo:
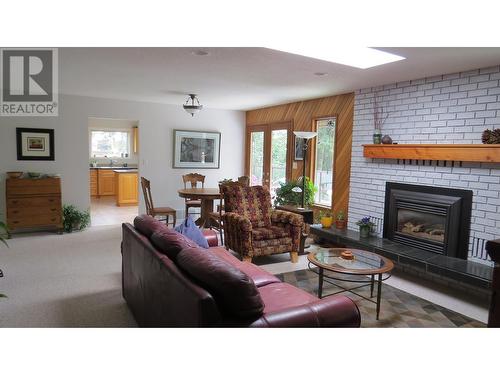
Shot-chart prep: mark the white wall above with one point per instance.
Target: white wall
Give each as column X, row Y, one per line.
column 156, row 124
column 454, row 108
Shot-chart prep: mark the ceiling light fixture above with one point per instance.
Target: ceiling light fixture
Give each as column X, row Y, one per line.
column 320, row 74
column 358, row 57
column 190, row 106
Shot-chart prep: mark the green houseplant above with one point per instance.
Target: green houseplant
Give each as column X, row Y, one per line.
column 4, row 234
column 74, row 219
column 288, row 194
column 340, row 221
column 365, row 227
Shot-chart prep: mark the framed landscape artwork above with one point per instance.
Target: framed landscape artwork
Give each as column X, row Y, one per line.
column 35, row 144
column 193, row 149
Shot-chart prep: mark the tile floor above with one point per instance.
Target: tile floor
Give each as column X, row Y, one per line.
column 104, row 211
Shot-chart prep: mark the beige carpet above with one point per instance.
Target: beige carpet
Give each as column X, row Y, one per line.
column 70, row 280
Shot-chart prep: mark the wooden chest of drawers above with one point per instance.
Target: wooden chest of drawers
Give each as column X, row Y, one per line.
column 34, row 203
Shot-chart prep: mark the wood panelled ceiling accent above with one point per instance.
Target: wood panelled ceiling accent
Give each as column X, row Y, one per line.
column 303, row 115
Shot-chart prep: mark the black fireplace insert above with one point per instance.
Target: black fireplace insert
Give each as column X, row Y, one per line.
column 434, row 219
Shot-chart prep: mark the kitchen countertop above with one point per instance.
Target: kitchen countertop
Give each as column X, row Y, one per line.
column 125, row 170
column 113, row 167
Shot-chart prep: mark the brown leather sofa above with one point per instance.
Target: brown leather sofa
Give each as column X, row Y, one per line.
column 169, row 281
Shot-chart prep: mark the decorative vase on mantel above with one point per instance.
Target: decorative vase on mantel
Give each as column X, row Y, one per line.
column 377, row 137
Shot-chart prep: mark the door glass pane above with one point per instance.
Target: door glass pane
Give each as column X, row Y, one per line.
column 278, row 159
column 256, row 158
column 323, row 176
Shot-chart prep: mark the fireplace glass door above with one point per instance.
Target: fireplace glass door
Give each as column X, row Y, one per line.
column 422, row 225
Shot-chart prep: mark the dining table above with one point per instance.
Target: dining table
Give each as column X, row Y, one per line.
column 207, row 197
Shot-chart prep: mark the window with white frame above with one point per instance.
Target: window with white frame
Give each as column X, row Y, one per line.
column 325, row 151
column 110, row 143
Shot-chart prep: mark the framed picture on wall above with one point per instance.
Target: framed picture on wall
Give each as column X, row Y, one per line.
column 196, row 150
column 299, row 148
column 35, row 144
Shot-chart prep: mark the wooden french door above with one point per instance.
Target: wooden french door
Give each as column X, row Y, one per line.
column 268, row 154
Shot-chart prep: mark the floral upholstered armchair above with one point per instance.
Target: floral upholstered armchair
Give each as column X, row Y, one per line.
column 253, row 228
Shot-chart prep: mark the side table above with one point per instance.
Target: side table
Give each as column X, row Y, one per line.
column 308, row 216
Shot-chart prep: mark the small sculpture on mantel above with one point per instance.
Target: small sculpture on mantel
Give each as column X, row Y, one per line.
column 491, row 136
column 386, row 140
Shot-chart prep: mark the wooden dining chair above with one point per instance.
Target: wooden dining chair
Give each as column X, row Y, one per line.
column 193, row 180
column 153, row 211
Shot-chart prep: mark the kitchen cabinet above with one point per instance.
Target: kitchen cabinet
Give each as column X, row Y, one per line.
column 127, row 188
column 93, row 183
column 106, row 182
column 135, row 133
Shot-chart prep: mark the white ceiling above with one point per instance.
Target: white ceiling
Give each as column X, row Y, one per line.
column 243, row 78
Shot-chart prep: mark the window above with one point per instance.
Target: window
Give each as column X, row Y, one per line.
column 113, row 144
column 323, row 174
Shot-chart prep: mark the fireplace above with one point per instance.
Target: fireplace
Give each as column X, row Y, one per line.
column 429, row 218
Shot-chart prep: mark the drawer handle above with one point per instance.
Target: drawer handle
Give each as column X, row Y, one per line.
column 53, row 219
column 51, row 200
column 53, row 209
column 16, row 222
column 15, row 202
column 15, row 212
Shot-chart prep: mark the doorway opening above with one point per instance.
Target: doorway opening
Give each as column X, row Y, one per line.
column 113, row 170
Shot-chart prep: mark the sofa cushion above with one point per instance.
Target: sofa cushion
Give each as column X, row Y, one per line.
column 280, row 296
column 257, row 274
column 170, row 242
column 234, row 291
column 147, row 225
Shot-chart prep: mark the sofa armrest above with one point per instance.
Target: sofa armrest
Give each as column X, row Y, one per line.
column 333, row 311
column 285, row 217
column 237, row 233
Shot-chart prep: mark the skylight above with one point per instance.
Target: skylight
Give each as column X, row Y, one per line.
column 358, row 57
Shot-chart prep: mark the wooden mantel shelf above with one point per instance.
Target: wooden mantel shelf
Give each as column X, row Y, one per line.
column 452, row 152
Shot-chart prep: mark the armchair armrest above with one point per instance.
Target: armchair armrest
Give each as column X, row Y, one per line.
column 237, row 233
column 285, row 217
column 333, row 311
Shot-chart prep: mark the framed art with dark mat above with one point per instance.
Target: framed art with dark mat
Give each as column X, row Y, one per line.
column 35, row 144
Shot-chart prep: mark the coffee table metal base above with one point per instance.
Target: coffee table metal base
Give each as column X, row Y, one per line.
column 322, row 278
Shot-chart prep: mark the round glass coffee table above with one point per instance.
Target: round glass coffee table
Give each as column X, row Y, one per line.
column 364, row 263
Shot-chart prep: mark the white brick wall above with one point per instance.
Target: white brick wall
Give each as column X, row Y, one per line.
column 453, row 108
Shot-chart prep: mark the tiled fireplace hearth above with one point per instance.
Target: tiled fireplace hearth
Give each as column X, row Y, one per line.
column 454, row 108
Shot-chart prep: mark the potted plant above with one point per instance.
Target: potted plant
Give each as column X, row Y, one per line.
column 340, row 221
column 379, row 117
column 365, row 227
column 4, row 234
column 326, row 219
column 74, row 219
column 288, row 194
